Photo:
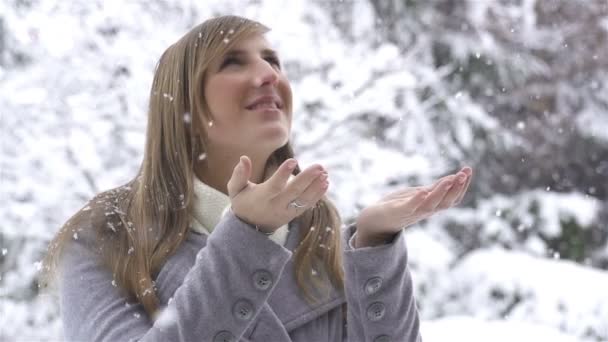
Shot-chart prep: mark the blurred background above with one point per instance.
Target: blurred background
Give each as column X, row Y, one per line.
column 388, row 94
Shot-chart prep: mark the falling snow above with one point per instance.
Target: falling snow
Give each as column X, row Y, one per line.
column 377, row 111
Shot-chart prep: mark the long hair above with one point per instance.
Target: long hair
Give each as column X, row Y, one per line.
column 139, row 225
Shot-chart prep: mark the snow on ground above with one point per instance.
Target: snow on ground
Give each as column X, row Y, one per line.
column 495, row 284
column 471, row 329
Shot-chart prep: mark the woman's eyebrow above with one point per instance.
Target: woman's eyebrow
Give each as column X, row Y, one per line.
column 238, row 52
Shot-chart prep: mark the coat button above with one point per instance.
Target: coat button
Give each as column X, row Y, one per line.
column 224, row 336
column 373, row 285
column 375, row 311
column 243, row 309
column 382, row 338
column 262, row 280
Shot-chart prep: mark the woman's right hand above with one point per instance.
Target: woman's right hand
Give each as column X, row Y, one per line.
column 268, row 205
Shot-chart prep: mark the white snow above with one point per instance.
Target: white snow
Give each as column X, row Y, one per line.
column 73, row 124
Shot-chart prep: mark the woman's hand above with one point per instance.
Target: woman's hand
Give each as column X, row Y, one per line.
column 270, row 204
column 380, row 221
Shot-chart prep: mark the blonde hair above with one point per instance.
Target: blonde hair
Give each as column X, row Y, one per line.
column 140, row 224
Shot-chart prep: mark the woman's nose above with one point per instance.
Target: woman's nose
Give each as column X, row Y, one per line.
column 265, row 74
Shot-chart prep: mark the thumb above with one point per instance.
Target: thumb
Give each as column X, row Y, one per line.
column 240, row 176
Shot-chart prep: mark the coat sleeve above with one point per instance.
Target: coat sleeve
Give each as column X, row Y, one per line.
column 221, row 295
column 379, row 292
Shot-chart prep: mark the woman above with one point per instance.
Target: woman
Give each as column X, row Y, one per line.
column 221, row 236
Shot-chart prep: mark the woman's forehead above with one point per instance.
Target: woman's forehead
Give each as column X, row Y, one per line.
column 251, row 44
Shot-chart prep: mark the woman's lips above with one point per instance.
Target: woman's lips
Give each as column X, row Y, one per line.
column 269, row 113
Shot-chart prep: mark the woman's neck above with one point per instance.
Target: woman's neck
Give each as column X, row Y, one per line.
column 216, row 169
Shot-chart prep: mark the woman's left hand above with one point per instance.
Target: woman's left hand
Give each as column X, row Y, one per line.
column 382, row 220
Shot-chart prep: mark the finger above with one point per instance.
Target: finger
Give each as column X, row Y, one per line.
column 465, row 188
column 450, row 197
column 313, row 193
column 298, row 185
column 277, row 181
column 434, row 186
column 434, row 197
column 240, row 176
column 403, row 193
column 468, row 170
column 410, row 205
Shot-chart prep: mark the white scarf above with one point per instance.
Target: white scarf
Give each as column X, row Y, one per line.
column 211, row 205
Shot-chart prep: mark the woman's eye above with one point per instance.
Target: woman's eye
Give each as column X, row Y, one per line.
column 274, row 60
column 230, row 60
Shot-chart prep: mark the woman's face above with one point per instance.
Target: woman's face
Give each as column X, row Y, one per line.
column 249, row 98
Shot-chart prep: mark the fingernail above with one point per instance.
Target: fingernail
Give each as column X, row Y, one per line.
column 461, row 179
column 292, row 164
column 323, row 176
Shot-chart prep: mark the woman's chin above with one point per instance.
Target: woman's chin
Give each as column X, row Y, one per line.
column 278, row 133
column 280, row 141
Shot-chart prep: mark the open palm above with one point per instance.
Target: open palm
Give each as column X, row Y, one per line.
column 408, row 206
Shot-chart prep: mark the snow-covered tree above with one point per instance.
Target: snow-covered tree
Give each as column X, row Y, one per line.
column 387, row 93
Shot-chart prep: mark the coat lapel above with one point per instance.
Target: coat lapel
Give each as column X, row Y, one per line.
column 287, row 300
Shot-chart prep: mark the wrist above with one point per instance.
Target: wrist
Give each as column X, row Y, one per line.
column 363, row 239
column 264, row 230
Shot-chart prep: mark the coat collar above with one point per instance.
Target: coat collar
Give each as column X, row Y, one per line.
column 287, row 300
column 210, row 205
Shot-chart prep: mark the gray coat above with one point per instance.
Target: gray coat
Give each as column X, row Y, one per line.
column 238, row 285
